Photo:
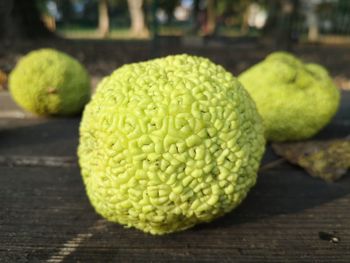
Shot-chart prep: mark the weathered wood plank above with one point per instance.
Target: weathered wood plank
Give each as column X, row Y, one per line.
column 45, row 210
column 39, row 137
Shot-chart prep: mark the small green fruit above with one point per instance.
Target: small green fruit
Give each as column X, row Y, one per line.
column 295, row 100
column 49, row 82
column 169, row 143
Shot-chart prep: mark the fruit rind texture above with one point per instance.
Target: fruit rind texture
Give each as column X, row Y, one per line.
column 169, row 143
column 296, row 100
column 50, row 82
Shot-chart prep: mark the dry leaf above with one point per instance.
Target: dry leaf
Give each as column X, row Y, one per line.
column 328, row 160
column 342, row 82
column 3, row 80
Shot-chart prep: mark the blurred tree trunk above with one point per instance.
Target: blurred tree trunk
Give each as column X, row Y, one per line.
column 195, row 16
column 211, row 17
column 103, row 18
column 5, row 19
column 138, row 26
column 245, row 25
column 21, row 19
column 312, row 20
column 280, row 22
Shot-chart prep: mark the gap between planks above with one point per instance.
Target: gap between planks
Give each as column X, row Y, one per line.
column 38, row 161
column 72, row 161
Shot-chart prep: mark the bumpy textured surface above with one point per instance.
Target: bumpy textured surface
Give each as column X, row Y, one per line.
column 295, row 100
column 169, row 143
column 49, row 82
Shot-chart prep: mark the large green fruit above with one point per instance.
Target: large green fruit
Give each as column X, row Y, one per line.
column 169, row 143
column 49, row 82
column 295, row 100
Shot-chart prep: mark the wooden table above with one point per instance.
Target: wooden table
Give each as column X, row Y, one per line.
column 45, row 215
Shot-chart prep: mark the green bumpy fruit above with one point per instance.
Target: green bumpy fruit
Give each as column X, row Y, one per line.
column 169, row 143
column 295, row 100
column 49, row 82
